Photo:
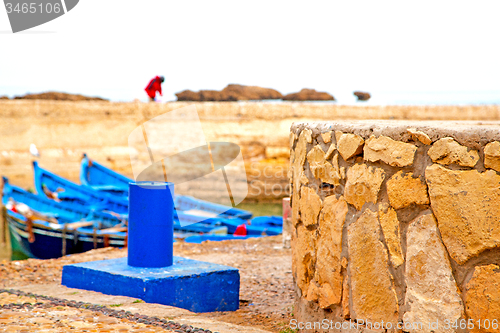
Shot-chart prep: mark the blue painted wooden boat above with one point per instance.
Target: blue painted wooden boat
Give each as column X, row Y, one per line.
column 252, row 229
column 45, row 240
column 63, row 212
column 92, row 229
column 268, row 221
column 188, row 203
column 99, row 177
column 60, row 189
column 49, row 229
column 266, row 225
column 195, row 227
column 187, row 208
column 53, row 186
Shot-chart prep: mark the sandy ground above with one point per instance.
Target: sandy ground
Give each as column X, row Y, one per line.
column 266, row 294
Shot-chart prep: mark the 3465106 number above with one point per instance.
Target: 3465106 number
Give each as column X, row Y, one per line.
column 33, row 8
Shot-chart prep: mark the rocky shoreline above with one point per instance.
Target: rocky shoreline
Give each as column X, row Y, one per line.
column 238, row 92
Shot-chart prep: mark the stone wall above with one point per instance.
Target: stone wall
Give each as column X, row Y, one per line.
column 396, row 222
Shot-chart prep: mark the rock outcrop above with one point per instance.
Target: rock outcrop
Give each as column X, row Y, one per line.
column 233, row 92
column 309, row 95
column 362, row 96
column 60, row 96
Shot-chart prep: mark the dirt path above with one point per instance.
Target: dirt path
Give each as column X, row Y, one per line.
column 266, row 294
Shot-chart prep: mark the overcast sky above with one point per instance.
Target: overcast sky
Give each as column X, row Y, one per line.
column 111, row 48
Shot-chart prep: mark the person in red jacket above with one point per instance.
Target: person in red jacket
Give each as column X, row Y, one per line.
column 153, row 86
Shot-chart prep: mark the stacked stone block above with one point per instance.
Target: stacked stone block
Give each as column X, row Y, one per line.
column 396, row 223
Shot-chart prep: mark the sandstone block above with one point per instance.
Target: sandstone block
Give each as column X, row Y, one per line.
column 338, row 134
column 431, row 291
column 312, row 292
column 404, row 190
column 327, row 137
column 297, row 171
column 303, row 257
column 482, row 296
column 390, row 227
column 322, row 169
column 492, row 155
column 373, row 294
column 350, row 145
column 387, row 150
column 447, row 151
column 420, row 136
column 328, row 296
column 310, row 206
column 363, row 184
column 333, row 174
column 466, row 206
column 330, row 151
column 328, row 263
column 308, row 135
column 316, row 159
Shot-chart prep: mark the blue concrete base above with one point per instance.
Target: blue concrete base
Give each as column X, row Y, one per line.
column 189, row 284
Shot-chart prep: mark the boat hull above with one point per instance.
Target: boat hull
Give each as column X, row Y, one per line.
column 43, row 240
column 63, row 212
column 198, row 239
column 51, row 185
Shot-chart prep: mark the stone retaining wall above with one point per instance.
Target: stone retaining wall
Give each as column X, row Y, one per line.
column 396, row 222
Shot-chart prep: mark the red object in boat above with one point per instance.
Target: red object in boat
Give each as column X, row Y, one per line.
column 241, row 230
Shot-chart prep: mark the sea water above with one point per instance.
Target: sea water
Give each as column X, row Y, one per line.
column 425, row 98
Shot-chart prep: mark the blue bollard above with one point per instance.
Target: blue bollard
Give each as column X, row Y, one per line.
column 150, row 225
column 189, row 284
